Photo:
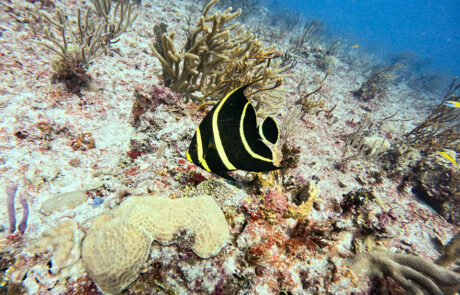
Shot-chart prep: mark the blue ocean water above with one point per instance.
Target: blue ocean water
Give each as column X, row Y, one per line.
column 428, row 28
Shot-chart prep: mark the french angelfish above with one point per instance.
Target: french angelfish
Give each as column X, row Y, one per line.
column 228, row 138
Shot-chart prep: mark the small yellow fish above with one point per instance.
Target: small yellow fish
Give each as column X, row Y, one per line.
column 448, row 157
column 177, row 13
column 451, row 103
column 355, row 46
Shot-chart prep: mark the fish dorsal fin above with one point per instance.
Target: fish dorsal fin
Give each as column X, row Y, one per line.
column 268, row 130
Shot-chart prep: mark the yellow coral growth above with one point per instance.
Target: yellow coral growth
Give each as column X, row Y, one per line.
column 302, row 211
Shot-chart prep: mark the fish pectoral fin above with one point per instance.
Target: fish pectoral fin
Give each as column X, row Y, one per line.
column 224, row 175
column 211, row 144
column 269, row 131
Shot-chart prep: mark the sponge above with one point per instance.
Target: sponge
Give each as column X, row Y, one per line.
column 117, row 244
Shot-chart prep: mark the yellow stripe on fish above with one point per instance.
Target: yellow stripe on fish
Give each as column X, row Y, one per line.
column 216, row 133
column 200, row 150
column 448, row 157
column 243, row 137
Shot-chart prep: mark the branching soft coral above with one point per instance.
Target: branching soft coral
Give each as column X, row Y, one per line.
column 97, row 28
column 218, row 58
column 415, row 274
column 375, row 86
column 441, row 129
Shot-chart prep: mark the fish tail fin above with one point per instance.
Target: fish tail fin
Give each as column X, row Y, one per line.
column 268, row 130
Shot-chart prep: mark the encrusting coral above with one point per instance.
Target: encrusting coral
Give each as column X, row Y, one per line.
column 217, row 59
column 415, row 274
column 304, row 200
column 117, row 244
column 63, row 201
column 64, row 241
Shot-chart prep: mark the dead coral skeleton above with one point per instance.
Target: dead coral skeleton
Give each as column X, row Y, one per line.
column 218, row 58
column 415, row 274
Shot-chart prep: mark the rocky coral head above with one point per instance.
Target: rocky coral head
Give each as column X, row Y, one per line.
column 118, row 243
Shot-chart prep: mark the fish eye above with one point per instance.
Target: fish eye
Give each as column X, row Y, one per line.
column 193, row 148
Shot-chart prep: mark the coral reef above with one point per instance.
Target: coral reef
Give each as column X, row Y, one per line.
column 63, row 244
column 375, row 86
column 435, row 181
column 415, row 274
column 97, row 28
column 285, row 232
column 431, row 178
column 117, row 244
column 217, row 58
column 440, row 130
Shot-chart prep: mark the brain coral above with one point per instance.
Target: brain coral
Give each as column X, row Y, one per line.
column 117, row 244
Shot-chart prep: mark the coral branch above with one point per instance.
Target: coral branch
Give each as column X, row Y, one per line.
column 218, row 58
column 11, row 189
column 25, row 213
column 440, row 129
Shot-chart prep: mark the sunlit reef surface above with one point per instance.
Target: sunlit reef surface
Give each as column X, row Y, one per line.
column 90, row 134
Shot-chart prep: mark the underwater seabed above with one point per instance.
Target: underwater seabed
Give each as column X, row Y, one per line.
column 99, row 197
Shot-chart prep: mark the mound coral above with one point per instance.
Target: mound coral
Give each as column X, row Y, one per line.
column 117, row 244
column 63, row 201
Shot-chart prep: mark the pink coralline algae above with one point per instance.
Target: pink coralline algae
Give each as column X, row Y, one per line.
column 276, row 201
column 152, row 98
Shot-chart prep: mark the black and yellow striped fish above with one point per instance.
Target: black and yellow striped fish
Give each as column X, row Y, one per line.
column 228, row 138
